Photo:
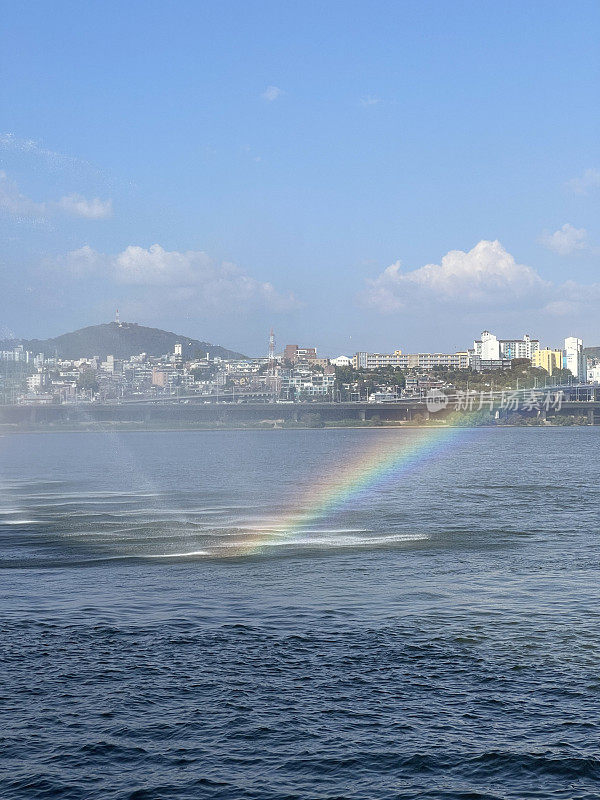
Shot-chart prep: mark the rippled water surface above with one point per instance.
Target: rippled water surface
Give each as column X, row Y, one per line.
column 217, row 615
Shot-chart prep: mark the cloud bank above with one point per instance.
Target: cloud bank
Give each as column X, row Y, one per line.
column 565, row 240
column 79, row 206
column 486, row 277
column 16, row 204
column 190, row 275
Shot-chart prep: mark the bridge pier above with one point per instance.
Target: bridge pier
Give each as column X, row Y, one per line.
column 591, row 416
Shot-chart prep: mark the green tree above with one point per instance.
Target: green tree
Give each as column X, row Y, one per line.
column 520, row 363
column 562, row 376
column 346, row 375
column 87, row 381
column 203, row 374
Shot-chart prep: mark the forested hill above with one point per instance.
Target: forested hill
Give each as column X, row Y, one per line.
column 121, row 340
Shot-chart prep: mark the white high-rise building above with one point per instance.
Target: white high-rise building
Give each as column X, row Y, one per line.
column 490, row 348
column 575, row 360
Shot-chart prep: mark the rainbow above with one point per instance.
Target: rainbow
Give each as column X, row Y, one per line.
column 387, row 460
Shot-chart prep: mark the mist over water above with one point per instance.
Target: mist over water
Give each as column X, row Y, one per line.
column 436, row 636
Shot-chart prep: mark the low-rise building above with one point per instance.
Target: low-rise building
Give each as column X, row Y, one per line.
column 36, row 381
column 593, row 373
column 18, row 355
column 303, row 382
column 479, row 364
column 160, row 378
column 341, row 361
column 299, row 355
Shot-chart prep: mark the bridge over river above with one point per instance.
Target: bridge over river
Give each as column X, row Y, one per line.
column 582, row 400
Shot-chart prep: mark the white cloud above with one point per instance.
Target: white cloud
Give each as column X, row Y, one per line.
column 14, row 203
column 155, row 266
column 482, row 275
column 272, row 93
column 189, row 276
column 565, row 240
column 83, row 262
column 79, row 206
column 484, row 278
column 370, row 100
column 585, row 183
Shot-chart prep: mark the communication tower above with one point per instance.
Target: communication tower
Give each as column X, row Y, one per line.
column 272, row 350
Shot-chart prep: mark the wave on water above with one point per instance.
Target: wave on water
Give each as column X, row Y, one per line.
column 49, row 523
column 346, row 541
column 191, row 554
column 162, row 533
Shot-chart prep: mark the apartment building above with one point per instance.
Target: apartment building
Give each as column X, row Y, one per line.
column 400, row 360
column 547, row 359
column 490, row 348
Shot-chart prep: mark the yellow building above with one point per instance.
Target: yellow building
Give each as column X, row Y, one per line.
column 549, row 360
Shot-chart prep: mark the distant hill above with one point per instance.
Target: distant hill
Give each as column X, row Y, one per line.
column 121, row 340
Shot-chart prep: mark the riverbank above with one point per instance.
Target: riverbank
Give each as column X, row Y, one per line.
column 270, row 425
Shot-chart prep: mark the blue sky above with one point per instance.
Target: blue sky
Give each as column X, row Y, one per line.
column 358, row 175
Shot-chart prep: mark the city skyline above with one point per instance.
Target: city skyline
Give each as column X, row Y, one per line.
column 76, row 368
column 373, row 192
column 271, row 340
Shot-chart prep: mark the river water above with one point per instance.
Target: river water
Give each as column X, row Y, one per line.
column 300, row 614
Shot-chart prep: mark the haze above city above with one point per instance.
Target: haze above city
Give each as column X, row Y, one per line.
column 357, row 176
